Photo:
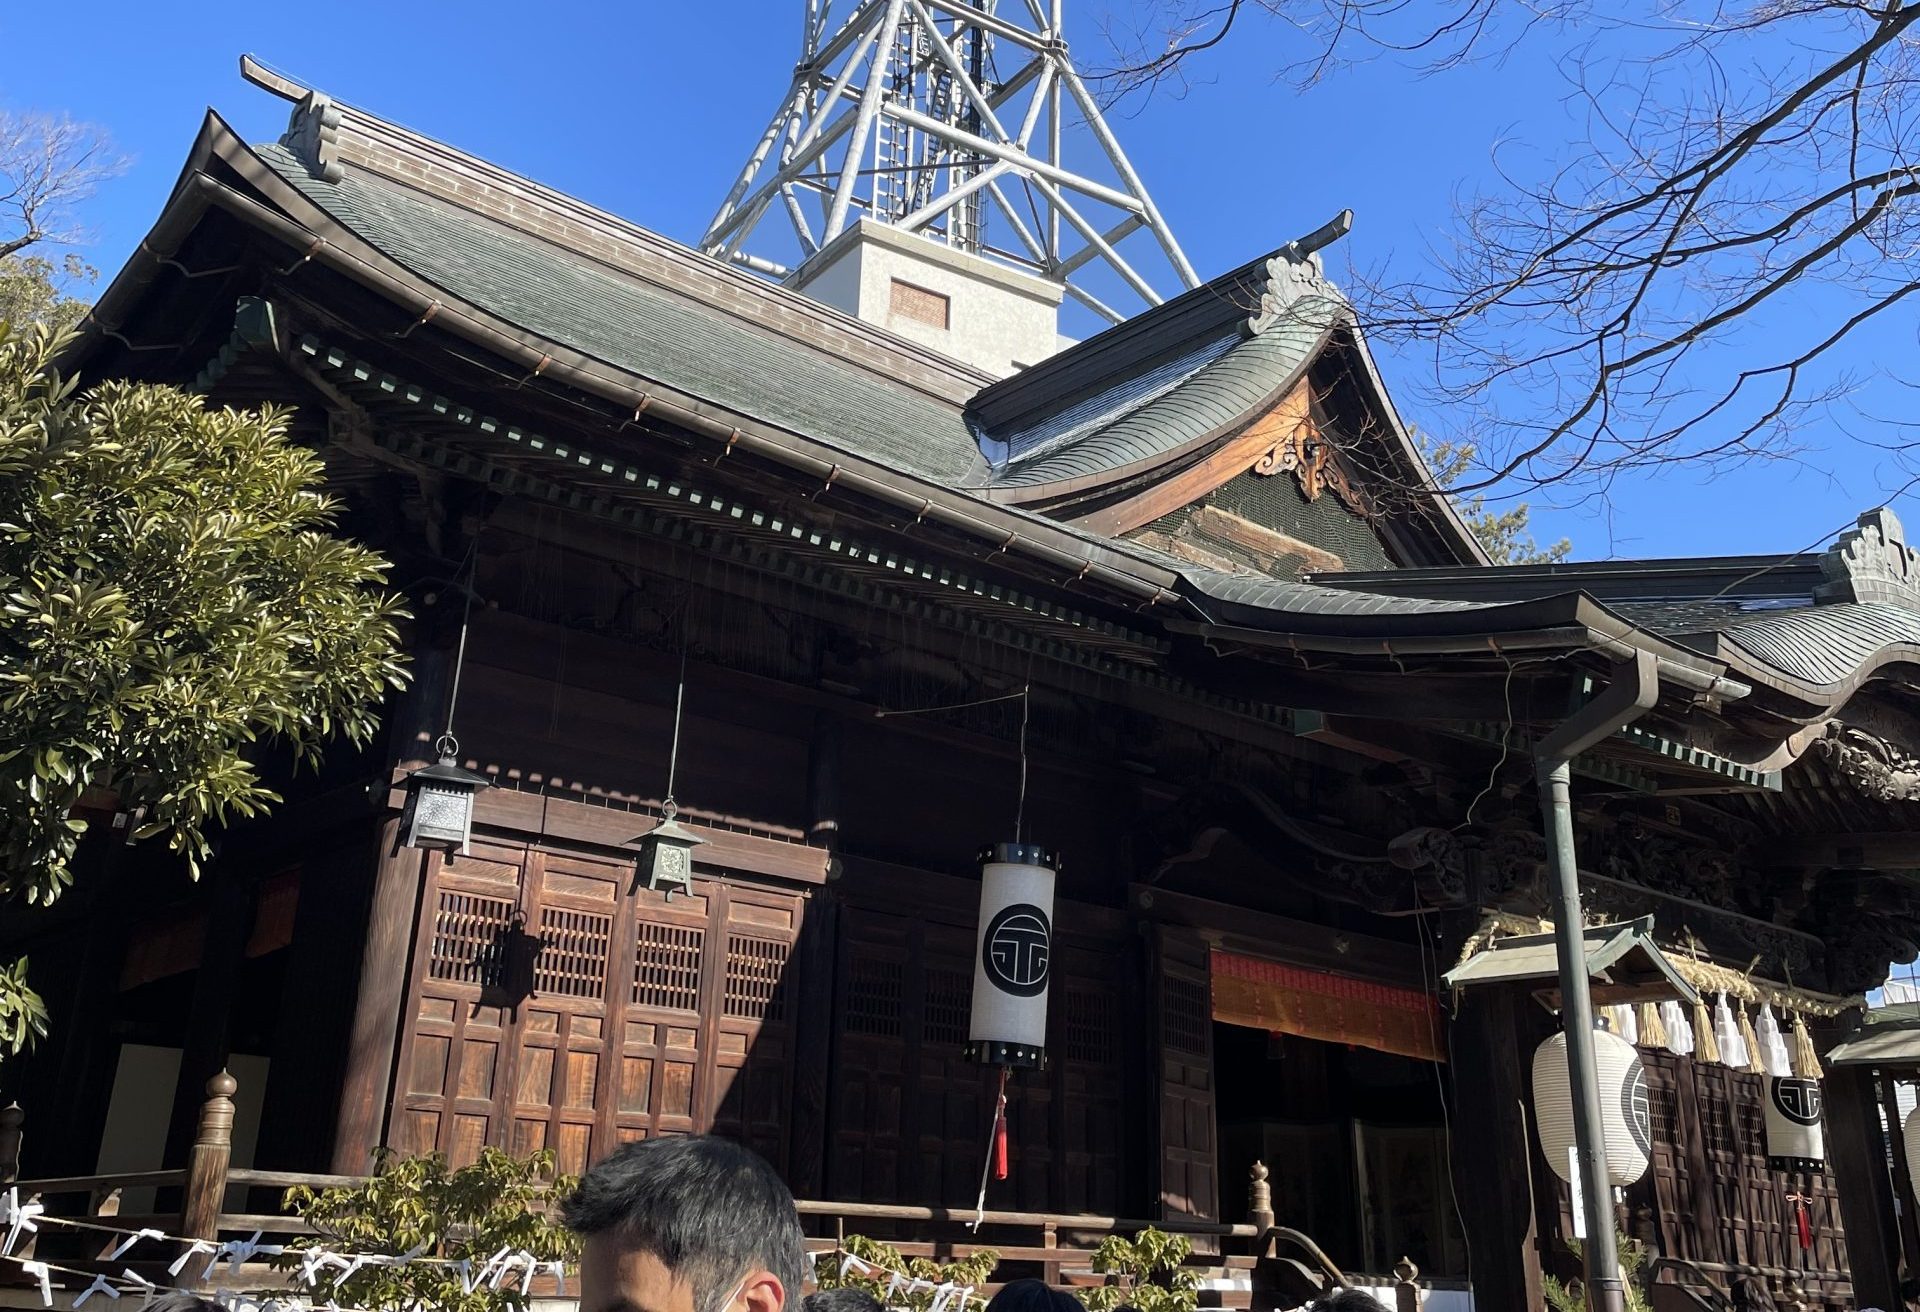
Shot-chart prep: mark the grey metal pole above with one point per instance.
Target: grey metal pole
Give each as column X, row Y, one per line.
column 1605, row 1290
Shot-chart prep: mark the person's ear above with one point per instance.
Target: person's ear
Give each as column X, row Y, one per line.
column 762, row 1293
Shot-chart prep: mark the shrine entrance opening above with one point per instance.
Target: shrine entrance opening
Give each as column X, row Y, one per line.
column 1356, row 1141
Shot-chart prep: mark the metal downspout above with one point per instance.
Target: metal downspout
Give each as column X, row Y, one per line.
column 1632, row 693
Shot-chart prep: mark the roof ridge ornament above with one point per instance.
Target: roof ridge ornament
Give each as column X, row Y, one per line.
column 1294, row 277
column 1872, row 562
column 313, row 135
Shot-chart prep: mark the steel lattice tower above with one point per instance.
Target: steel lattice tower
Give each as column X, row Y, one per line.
column 900, row 114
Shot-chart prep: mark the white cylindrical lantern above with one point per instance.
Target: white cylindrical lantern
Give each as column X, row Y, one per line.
column 1910, row 1137
column 1013, row 962
column 1625, row 1113
column 1795, row 1141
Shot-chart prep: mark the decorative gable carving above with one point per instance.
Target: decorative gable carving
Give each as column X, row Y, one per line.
column 1304, row 452
column 1872, row 562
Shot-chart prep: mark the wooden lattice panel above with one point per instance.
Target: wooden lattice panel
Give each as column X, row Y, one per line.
column 754, row 968
column 468, row 931
column 573, row 953
column 666, row 965
column 947, row 1005
column 874, row 990
column 1186, row 1015
column 1086, row 1025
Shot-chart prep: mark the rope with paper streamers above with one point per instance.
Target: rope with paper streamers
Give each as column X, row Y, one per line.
column 897, row 1285
column 919, row 1285
column 1705, row 976
column 316, row 1267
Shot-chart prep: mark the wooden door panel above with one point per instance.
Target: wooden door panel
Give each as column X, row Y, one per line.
column 753, row 1049
column 455, row 1051
column 1188, row 1164
column 640, row 1017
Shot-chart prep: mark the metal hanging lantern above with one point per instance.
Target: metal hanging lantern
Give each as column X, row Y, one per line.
column 666, row 856
column 440, row 797
column 1013, row 963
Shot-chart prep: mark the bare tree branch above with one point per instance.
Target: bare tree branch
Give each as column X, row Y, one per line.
column 1691, row 278
column 48, row 164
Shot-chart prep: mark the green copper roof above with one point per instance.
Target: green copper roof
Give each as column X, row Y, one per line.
column 570, row 299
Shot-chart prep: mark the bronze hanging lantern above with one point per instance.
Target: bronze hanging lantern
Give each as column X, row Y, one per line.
column 440, row 801
column 666, row 856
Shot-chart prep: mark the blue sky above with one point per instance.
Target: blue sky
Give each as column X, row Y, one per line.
column 646, row 108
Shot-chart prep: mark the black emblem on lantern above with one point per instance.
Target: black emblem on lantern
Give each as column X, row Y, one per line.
column 1637, row 1107
column 1797, row 1099
column 1016, row 948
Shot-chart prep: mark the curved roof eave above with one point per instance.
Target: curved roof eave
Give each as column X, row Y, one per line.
column 1283, row 613
column 1197, row 443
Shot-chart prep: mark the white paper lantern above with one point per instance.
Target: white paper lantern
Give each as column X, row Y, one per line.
column 1625, row 1114
column 1012, row 965
column 1910, row 1136
column 1795, row 1141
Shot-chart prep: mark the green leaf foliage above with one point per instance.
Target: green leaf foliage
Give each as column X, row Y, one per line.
column 1570, row 1297
column 23, row 1017
column 417, row 1203
column 171, row 603
column 972, row 1270
column 1147, row 1272
column 31, row 290
column 1503, row 533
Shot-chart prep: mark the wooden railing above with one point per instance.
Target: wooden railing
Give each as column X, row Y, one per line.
column 1256, row 1264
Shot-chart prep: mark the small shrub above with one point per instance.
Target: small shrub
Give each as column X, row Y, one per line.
column 1147, row 1272
column 1633, row 1261
column 417, row 1203
column 968, row 1271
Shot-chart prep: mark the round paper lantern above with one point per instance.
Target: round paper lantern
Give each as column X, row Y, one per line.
column 1013, row 959
column 1910, row 1135
column 1625, row 1114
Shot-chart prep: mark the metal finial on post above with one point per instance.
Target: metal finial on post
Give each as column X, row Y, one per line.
column 207, row 1166
column 1259, row 1197
column 11, row 1119
column 1406, row 1286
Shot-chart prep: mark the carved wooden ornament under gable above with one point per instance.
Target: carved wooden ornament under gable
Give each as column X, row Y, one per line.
column 1305, row 453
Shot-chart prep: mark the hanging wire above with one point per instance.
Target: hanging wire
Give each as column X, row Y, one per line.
column 446, row 744
column 668, row 807
column 673, row 752
column 1020, row 810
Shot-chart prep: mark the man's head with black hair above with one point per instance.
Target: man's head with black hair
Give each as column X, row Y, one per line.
column 686, row 1224
column 845, row 1299
column 1347, row 1300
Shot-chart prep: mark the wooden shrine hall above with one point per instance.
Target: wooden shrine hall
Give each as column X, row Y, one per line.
column 1178, row 603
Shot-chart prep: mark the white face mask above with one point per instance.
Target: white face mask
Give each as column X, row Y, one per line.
column 726, row 1304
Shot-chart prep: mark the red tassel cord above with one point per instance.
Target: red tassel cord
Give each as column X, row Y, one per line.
column 995, row 1167
column 1802, row 1220
column 1000, row 1132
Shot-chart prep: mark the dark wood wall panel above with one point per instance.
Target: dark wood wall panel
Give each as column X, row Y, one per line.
column 909, row 1115
column 1715, row 1198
